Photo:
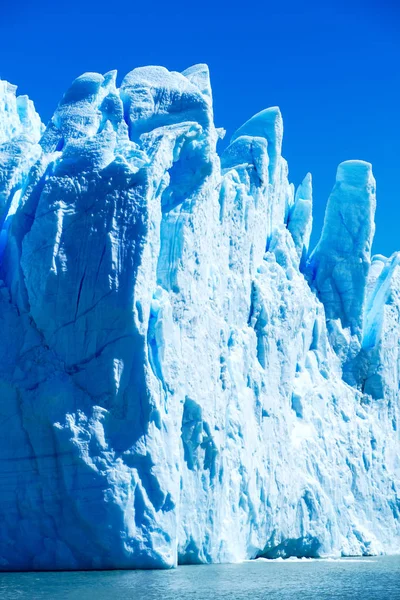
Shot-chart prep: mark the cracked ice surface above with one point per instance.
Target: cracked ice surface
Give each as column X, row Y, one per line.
column 180, row 378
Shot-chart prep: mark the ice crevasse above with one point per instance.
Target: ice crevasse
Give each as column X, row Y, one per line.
column 182, row 378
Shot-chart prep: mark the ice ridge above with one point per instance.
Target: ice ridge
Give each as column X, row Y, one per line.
column 182, row 379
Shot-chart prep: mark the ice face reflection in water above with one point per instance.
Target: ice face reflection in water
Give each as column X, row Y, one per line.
column 376, row 578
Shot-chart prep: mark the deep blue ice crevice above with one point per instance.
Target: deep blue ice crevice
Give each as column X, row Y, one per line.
column 380, row 345
column 300, row 219
column 377, row 300
column 20, row 132
column 198, row 443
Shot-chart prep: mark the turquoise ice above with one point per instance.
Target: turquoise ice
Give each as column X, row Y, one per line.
column 182, row 379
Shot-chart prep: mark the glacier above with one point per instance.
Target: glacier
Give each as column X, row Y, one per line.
column 182, row 378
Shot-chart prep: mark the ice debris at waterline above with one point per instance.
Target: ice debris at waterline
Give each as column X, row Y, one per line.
column 182, row 379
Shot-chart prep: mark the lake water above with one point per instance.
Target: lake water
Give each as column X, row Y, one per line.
column 376, row 578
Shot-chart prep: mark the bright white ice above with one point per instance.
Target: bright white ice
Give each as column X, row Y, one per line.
column 181, row 378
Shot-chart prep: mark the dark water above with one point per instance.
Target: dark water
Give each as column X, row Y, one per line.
column 355, row 579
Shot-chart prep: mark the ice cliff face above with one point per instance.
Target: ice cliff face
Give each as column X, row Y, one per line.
column 181, row 379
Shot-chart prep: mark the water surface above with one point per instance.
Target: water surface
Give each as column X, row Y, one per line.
column 376, row 578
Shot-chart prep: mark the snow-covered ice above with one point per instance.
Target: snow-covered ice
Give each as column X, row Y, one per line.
column 182, row 379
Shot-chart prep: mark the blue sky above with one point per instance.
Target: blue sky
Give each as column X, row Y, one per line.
column 332, row 67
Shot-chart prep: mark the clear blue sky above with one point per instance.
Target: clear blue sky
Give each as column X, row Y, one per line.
column 332, row 67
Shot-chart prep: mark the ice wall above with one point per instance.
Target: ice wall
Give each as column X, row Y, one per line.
column 180, row 381
column 20, row 131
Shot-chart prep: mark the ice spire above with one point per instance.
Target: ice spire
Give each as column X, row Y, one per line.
column 341, row 260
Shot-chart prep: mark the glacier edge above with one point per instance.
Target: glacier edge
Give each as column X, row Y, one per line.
column 182, row 379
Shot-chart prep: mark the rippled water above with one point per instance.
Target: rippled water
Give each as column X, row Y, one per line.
column 375, row 578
